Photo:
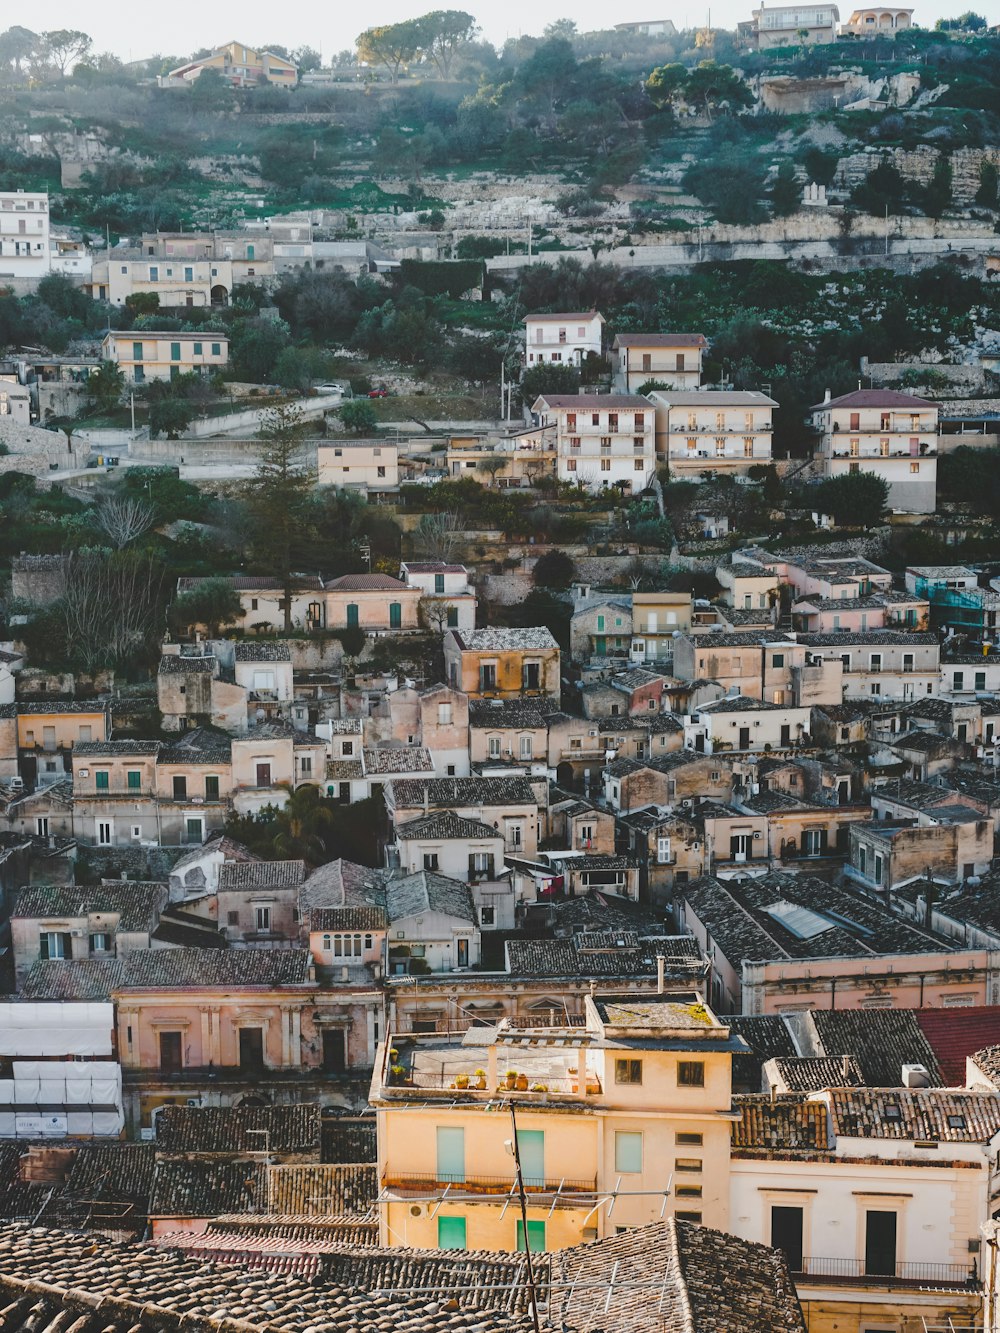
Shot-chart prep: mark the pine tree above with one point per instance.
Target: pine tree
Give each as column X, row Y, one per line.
column 277, row 498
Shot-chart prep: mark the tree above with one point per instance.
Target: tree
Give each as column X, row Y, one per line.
column 214, row 603
column 105, row 387
column 856, row 500
column 731, row 184
column 169, row 416
column 255, row 345
column 307, row 59
column 358, row 415
column 313, row 828
column 786, row 192
column 550, row 377
column 712, row 86
column 554, row 570
column 437, row 534
column 666, row 84
column 66, row 46
column 883, row 188
column 211, row 91
column 937, row 195
column 277, row 497
column 111, row 613
column 491, row 465
column 392, row 45
column 443, row 33
column 17, row 44
column 142, row 303
column 124, row 519
column 821, row 167
column 967, row 22
column 989, row 179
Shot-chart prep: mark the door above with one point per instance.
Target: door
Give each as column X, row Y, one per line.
column 739, row 846
column 395, row 615
column 193, row 832
column 744, row 738
column 880, row 1244
column 263, row 775
column 786, row 1235
column 334, row 1050
column 463, row 953
column 171, row 1052
column 601, row 645
column 786, row 736
column 251, row 1048
column 450, row 1155
column 352, row 615
column 531, row 1149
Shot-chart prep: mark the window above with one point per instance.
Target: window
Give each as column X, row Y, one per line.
column 692, row 1165
column 137, row 351
column 346, row 749
column 55, row 944
column 688, row 1192
column 487, row 916
column 42, row 826
column 100, row 942
column 914, row 467
column 786, row 1235
column 102, row 779
column 105, row 832
column 175, row 351
column 189, row 275
column 216, row 349
column 450, row 1155
column 691, row 1074
column 663, row 851
column 133, row 779
column 638, row 465
column 180, row 787
column 571, row 421
column 211, row 788
column 154, row 273
column 628, row 1071
column 570, row 464
column 171, row 1052
column 262, row 918
column 688, row 1217
column 628, row 1152
column 488, row 676
column 640, row 421
column 494, row 747
column 536, row 1236
column 880, row 1244
column 612, row 421
column 233, row 919
column 526, row 747
column 688, row 1140
column 444, row 715
column 452, row 617
column 197, row 349
column 306, row 766
column 430, row 860
column 451, row 1233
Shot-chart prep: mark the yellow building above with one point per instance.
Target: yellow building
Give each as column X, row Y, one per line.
column 619, row 1122
column 146, row 356
column 240, row 65
column 500, row 663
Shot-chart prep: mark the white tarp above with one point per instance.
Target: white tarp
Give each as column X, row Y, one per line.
column 52, row 1098
column 59, row 1028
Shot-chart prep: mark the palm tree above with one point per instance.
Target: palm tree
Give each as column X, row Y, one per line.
column 301, row 824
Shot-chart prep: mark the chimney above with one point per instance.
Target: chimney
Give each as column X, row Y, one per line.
column 661, row 964
column 845, row 1067
column 426, row 800
column 827, row 396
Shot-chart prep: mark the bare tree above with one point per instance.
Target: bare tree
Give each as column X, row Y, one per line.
column 113, row 609
column 124, row 518
column 437, row 535
column 433, row 614
column 491, row 465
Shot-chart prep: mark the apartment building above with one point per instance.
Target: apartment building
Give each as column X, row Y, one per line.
column 503, row 663
column 637, row 1098
column 793, row 25
column 886, row 664
column 885, row 21
column 364, row 465
column 602, row 440
column 672, row 360
column 568, row 339
column 891, row 434
column 186, row 270
column 714, row 431
column 146, row 356
column 739, row 722
column 24, row 235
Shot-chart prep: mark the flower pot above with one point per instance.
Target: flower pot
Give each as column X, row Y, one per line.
column 521, row 1083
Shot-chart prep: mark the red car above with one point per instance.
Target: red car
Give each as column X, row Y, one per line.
column 378, row 393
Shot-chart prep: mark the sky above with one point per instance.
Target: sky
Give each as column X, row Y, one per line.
column 183, row 26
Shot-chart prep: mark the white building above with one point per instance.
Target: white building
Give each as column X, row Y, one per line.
column 885, row 21
column 15, row 402
column 795, row 25
column 563, row 338
column 449, row 599
column 673, row 359
column 602, row 440
column 142, row 355
column 712, row 431
column 24, row 234
column 881, row 664
column 365, row 465
column 740, row 723
column 892, row 434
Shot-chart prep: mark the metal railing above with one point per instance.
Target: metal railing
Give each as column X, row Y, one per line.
column 844, row 1270
column 422, row 1181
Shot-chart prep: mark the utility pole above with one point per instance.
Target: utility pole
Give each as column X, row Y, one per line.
column 887, row 229
column 532, row 1292
column 131, row 398
column 503, row 388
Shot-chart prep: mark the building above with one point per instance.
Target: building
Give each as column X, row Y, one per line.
column 449, row 600
column 794, row 25
column 375, row 603
column 891, row 434
column 601, row 440
column 741, row 723
column 163, row 356
column 511, row 804
column 15, row 402
column 24, row 235
column 365, row 465
column 512, row 731
column 880, row 664
column 500, row 663
column 650, row 28
column 787, row 943
column 670, row 360
column 239, row 65
column 759, row 666
column 657, row 619
column 263, row 602
column 884, row 21
column 949, row 842
column 642, row 1089
column 601, row 626
column 569, row 339
column 712, row 431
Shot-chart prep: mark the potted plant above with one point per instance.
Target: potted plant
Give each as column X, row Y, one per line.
column 481, row 1079
column 539, row 1087
column 462, row 1081
column 510, row 1079
column 521, row 1082
column 397, row 1075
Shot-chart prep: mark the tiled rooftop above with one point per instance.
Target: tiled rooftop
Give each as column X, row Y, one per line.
column 783, row 1123
column 880, row 1041
column 424, row 891
column 235, row 876
column 239, row 1129
column 443, row 824
column 137, row 904
column 387, row 761
column 455, row 793
column 169, row 969
column 944, row 1115
column 262, row 650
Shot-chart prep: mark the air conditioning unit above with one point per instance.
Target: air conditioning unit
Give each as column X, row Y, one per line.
column 758, row 835
column 83, row 772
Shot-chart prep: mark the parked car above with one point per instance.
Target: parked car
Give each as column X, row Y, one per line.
column 329, row 390
column 378, row 393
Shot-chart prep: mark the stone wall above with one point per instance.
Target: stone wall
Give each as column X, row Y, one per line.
column 918, row 165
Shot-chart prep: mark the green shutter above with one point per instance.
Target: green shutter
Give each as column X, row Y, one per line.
column 352, row 615
column 216, row 349
column 212, row 789
column 536, row 1236
column 134, row 779
column 531, row 1149
column 137, row 351
column 395, row 615
column 175, row 351
column 451, row 1233
column 628, row 1152
column 450, row 1154
column 102, row 780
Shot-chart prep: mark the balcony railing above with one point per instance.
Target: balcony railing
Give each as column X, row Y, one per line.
column 916, row 1274
column 421, row 1182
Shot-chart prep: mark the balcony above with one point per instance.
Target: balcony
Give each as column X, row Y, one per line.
column 854, row 1272
column 116, row 792
column 422, row 1182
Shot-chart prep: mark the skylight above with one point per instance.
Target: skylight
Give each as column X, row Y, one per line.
column 797, row 920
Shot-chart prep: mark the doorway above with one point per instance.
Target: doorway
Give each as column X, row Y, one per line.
column 171, row 1052
column 334, row 1050
column 251, row 1048
column 786, row 1235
